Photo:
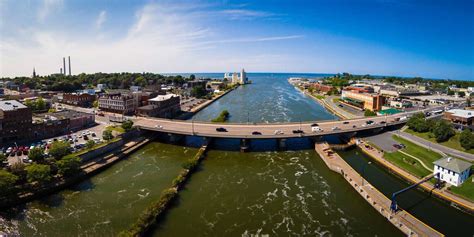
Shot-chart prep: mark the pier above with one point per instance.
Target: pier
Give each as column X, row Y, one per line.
column 401, row 219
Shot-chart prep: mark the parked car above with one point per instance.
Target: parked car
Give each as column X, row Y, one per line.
column 159, row 126
column 383, row 122
column 354, row 126
column 221, row 129
column 298, row 131
column 93, row 134
column 314, row 125
column 345, row 122
column 316, row 129
column 256, row 133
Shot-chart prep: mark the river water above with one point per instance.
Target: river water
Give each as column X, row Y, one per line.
column 233, row 194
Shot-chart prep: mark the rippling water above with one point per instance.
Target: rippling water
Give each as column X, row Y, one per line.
column 275, row 193
column 105, row 204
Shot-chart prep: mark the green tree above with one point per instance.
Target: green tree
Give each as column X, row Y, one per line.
column 107, row 135
column 7, row 181
column 461, row 94
column 90, row 144
column 38, row 173
column 127, row 125
column 369, row 113
column 443, row 131
column 36, row 154
column 466, row 139
column 68, row 165
column 450, row 92
column 192, row 77
column 59, row 149
column 40, row 104
column 198, row 92
column 418, row 123
column 95, row 104
column 223, row 116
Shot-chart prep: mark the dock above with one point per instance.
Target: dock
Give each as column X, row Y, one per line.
column 404, row 221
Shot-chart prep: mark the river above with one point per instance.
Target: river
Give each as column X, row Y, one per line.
column 233, row 194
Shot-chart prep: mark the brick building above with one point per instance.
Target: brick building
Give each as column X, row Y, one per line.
column 460, row 116
column 321, row 88
column 118, row 103
column 372, row 102
column 15, row 121
column 78, row 99
column 162, row 106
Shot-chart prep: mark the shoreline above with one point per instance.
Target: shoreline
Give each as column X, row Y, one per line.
column 404, row 221
column 454, row 200
column 88, row 169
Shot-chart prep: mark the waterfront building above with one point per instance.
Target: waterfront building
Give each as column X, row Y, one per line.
column 321, row 88
column 162, row 106
column 15, row 121
column 460, row 116
column 401, row 104
column 452, row 171
column 243, row 77
column 118, row 103
column 370, row 101
column 361, row 88
column 235, row 78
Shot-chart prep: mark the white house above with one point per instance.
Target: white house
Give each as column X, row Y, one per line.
column 452, row 171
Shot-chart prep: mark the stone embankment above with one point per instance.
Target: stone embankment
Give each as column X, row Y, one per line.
column 91, row 167
column 377, row 155
column 401, row 219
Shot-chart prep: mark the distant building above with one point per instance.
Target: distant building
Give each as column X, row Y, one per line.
column 372, row 102
column 401, row 104
column 321, row 88
column 135, row 88
column 162, row 106
column 235, row 78
column 78, row 99
column 452, row 171
column 216, row 85
column 460, row 116
column 15, row 121
column 118, row 103
column 360, row 88
column 101, row 87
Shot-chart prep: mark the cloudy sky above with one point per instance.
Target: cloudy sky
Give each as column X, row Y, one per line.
column 383, row 37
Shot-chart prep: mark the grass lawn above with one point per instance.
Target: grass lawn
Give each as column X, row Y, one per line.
column 118, row 129
column 335, row 100
column 321, row 97
column 453, row 142
column 466, row 190
column 426, row 155
column 407, row 163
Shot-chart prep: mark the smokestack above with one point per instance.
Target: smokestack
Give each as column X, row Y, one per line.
column 69, row 62
column 64, row 65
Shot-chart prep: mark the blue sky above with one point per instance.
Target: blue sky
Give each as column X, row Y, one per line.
column 432, row 39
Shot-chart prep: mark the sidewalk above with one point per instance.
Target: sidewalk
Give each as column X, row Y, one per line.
column 434, row 146
column 378, row 156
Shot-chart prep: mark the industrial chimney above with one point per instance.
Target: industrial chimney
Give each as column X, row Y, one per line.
column 69, row 62
column 64, row 65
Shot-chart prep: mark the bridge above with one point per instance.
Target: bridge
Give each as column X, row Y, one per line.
column 272, row 130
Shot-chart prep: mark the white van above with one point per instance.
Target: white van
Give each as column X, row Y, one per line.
column 316, row 129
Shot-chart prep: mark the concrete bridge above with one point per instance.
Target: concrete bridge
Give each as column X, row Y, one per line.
column 272, row 130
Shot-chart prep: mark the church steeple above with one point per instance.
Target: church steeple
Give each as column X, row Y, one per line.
column 34, row 73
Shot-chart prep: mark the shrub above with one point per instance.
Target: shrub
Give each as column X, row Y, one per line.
column 38, row 173
column 90, row 144
column 127, row 125
column 107, row 135
column 223, row 116
column 369, row 113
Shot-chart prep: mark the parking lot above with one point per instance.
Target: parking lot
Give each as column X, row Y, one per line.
column 77, row 140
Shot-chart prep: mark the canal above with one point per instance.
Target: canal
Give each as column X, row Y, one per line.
column 233, row 194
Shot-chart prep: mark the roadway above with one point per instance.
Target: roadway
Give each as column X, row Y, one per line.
column 267, row 130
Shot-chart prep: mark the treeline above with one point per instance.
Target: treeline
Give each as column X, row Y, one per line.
column 441, row 130
column 59, row 82
column 344, row 78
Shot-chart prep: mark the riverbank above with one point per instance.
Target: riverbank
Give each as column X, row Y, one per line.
column 193, row 111
column 88, row 169
column 401, row 219
column 443, row 194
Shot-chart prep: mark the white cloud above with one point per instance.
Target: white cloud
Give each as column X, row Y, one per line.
column 244, row 14
column 47, row 7
column 162, row 38
column 101, row 19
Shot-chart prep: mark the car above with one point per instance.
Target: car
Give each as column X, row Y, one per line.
column 314, row 125
column 335, row 128
column 397, row 146
column 369, row 122
column 93, row 134
column 345, row 122
column 159, row 126
column 101, row 114
column 316, row 129
column 32, row 146
column 96, row 140
column 354, row 126
column 80, row 136
column 50, row 141
column 277, row 132
column 18, row 153
column 298, row 131
column 86, row 137
column 221, row 129
column 256, row 133
column 340, row 105
column 403, row 118
column 383, row 122
column 25, row 152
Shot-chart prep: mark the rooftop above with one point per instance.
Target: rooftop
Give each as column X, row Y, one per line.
column 163, row 97
column 455, row 165
column 462, row 113
column 9, row 105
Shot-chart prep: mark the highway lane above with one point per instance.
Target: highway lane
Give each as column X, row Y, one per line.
column 268, row 130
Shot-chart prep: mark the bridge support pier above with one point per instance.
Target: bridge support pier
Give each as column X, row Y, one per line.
column 281, row 143
column 244, row 145
column 175, row 138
